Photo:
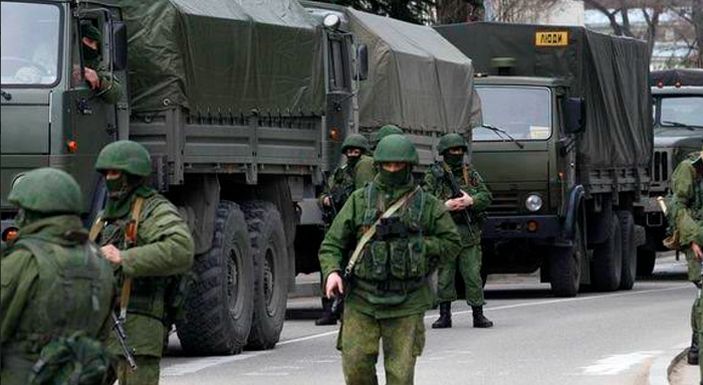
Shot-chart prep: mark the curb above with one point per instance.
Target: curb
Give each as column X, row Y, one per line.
column 674, row 362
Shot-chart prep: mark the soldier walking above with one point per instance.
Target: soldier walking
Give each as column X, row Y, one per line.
column 399, row 234
column 144, row 237
column 469, row 206
column 687, row 214
column 346, row 178
column 57, row 291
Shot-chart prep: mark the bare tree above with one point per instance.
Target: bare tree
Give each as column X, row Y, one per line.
column 521, row 11
column 459, row 11
column 693, row 16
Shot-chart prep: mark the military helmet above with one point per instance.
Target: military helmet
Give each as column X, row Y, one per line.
column 125, row 155
column 355, row 141
column 395, row 148
column 47, row 190
column 450, row 141
column 388, row 129
column 90, row 31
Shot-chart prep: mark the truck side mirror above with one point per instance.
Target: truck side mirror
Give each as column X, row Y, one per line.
column 575, row 115
column 119, row 45
column 362, row 57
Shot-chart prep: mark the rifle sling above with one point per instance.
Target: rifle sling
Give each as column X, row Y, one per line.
column 366, row 237
column 95, row 231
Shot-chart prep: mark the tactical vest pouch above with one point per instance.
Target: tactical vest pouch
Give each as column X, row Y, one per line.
column 75, row 360
column 379, row 261
column 407, row 259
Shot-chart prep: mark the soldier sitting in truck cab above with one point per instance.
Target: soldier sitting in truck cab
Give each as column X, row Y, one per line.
column 96, row 75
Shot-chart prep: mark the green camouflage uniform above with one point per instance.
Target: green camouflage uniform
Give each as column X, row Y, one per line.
column 469, row 259
column 389, row 290
column 687, row 212
column 54, row 283
column 347, row 178
column 164, row 248
column 110, row 88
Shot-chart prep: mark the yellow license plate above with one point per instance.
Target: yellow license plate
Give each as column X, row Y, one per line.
column 552, row 39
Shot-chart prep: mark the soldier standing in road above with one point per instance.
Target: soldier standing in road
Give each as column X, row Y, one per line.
column 146, row 239
column 476, row 198
column 399, row 234
column 346, row 178
column 687, row 213
column 57, row 291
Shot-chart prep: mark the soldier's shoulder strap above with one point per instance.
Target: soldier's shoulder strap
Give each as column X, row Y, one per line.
column 371, row 231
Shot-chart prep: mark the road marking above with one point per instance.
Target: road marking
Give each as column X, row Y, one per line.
column 203, row 363
column 618, row 363
column 563, row 300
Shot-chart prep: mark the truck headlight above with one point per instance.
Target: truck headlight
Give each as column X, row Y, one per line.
column 533, row 202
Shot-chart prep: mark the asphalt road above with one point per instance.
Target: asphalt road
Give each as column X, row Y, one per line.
column 626, row 337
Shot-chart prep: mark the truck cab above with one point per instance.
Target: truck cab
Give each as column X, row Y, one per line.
column 49, row 115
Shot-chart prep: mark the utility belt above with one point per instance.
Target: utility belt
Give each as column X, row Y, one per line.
column 390, row 286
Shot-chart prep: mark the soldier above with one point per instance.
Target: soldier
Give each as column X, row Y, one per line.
column 97, row 76
column 57, row 291
column 388, row 129
column 146, row 239
column 474, row 200
column 387, row 290
column 687, row 214
column 352, row 175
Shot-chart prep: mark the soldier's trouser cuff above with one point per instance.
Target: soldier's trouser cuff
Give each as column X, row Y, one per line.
column 147, row 372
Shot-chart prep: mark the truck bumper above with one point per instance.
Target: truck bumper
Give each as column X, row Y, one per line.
column 531, row 227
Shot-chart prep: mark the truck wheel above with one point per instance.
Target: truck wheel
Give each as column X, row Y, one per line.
column 606, row 268
column 270, row 256
column 629, row 251
column 565, row 266
column 218, row 307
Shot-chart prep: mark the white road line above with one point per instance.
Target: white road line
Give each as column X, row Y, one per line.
column 575, row 299
column 617, row 363
column 200, row 364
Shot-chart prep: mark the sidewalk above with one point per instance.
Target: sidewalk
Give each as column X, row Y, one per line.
column 681, row 373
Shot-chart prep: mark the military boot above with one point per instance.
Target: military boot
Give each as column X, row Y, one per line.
column 692, row 356
column 480, row 321
column 327, row 317
column 445, row 316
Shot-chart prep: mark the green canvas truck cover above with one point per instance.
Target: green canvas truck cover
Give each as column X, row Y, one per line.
column 417, row 79
column 224, row 56
column 611, row 73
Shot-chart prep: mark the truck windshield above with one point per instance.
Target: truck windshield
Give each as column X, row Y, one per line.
column 682, row 111
column 30, row 43
column 522, row 112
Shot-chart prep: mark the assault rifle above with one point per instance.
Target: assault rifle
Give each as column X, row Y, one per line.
column 443, row 172
column 121, row 335
column 338, row 196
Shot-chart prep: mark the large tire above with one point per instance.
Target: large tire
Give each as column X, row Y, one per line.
column 218, row 307
column 565, row 266
column 629, row 250
column 270, row 256
column 606, row 269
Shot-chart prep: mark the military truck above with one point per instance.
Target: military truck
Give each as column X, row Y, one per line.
column 243, row 107
column 235, row 102
column 678, row 130
column 565, row 149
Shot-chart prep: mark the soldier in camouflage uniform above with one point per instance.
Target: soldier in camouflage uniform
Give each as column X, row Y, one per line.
column 98, row 77
column 55, row 284
column 387, row 292
column 346, row 178
column 476, row 199
column 687, row 214
column 161, row 249
column 388, row 129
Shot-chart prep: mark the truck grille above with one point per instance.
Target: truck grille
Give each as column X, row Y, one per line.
column 660, row 166
column 504, row 203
